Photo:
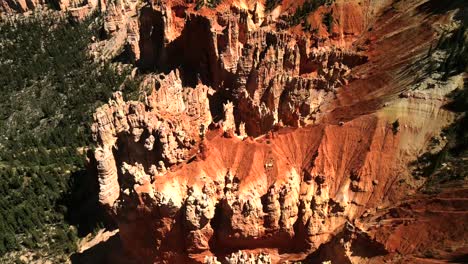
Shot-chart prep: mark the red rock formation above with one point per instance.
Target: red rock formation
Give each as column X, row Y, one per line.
column 186, row 183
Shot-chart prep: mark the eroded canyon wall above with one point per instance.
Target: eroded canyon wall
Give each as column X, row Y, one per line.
column 266, row 138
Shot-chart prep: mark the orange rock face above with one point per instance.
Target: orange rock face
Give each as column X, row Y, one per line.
column 272, row 140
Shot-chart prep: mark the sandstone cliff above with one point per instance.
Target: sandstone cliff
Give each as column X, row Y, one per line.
column 267, row 138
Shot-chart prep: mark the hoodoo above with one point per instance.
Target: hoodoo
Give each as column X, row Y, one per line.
column 269, row 131
column 307, row 162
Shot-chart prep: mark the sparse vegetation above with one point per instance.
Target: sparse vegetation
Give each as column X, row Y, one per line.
column 306, row 26
column 199, row 4
column 209, row 3
column 213, row 3
column 303, row 11
column 271, row 4
column 449, row 163
column 455, row 46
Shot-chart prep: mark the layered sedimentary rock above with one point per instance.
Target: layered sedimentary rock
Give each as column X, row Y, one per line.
column 273, row 76
column 267, row 140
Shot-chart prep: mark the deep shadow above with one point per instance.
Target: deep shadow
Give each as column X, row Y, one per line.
column 216, row 223
column 107, row 252
column 442, row 7
column 217, row 100
column 125, row 57
column 193, row 53
column 460, row 259
column 361, row 245
column 364, row 246
column 82, row 202
column 151, row 38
